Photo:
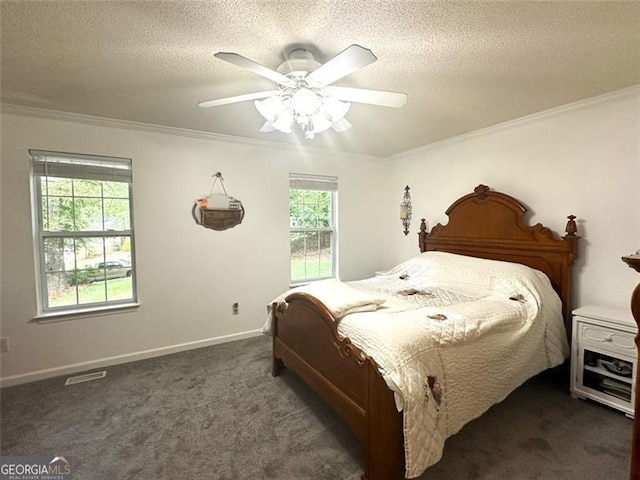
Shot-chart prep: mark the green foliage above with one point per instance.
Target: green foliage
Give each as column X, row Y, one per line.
column 126, row 244
column 310, row 209
column 79, row 277
column 97, row 292
column 303, row 270
column 315, row 242
column 80, row 205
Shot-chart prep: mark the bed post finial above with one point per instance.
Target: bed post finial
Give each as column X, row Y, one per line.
column 571, row 227
column 572, row 238
column 422, row 236
column 481, row 191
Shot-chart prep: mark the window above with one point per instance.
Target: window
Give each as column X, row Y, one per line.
column 312, row 207
column 84, row 232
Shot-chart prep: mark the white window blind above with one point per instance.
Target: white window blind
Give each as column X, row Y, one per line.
column 91, row 167
column 300, row 181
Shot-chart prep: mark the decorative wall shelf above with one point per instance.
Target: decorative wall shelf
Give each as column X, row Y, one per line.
column 218, row 212
column 217, row 219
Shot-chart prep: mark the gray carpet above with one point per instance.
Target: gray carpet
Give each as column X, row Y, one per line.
column 216, row 413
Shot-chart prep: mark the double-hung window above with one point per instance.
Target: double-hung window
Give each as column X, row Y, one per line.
column 312, row 224
column 83, row 231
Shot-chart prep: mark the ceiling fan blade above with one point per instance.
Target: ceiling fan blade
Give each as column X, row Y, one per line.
column 256, row 68
column 238, row 98
column 348, row 61
column 372, row 97
column 341, row 125
column 267, row 127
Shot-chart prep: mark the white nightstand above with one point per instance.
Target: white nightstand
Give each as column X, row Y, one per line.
column 603, row 356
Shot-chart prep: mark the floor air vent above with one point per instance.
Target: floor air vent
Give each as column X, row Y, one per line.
column 87, row 377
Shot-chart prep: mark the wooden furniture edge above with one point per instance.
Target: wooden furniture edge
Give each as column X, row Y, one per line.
column 633, row 261
column 359, row 394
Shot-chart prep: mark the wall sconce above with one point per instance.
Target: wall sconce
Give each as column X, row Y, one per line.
column 405, row 210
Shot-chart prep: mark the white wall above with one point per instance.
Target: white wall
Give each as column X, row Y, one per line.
column 582, row 159
column 188, row 276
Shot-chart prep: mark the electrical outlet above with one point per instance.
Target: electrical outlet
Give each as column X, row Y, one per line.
column 235, row 308
column 4, row 344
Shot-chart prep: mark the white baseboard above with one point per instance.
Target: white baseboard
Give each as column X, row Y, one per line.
column 129, row 357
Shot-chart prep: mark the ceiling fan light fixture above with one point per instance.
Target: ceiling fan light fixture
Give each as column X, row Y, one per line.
column 305, row 102
column 335, row 109
column 270, row 108
column 320, row 122
column 284, row 121
column 305, row 92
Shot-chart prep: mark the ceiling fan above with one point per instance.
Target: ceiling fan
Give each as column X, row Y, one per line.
column 304, row 93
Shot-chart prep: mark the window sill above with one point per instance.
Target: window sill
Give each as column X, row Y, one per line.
column 64, row 315
column 302, row 283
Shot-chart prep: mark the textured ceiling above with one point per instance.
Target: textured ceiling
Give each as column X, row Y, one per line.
column 464, row 65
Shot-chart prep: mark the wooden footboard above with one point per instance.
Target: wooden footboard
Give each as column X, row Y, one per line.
column 306, row 340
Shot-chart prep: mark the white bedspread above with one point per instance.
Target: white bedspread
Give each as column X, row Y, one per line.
column 454, row 336
column 340, row 298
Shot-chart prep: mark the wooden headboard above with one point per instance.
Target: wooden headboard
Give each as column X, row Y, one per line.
column 490, row 225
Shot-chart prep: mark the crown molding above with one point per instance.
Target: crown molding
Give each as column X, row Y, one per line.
column 16, row 109
column 11, row 108
column 632, row 91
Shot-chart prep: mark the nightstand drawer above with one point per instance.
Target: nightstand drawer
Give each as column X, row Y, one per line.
column 606, row 337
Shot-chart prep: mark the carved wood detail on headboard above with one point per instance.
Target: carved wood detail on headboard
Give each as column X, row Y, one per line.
column 489, row 224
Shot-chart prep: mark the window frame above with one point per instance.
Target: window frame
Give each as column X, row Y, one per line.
column 319, row 183
column 111, row 169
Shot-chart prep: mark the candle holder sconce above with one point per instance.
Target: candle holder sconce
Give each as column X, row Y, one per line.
column 405, row 210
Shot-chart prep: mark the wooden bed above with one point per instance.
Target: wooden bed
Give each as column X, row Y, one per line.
column 483, row 224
